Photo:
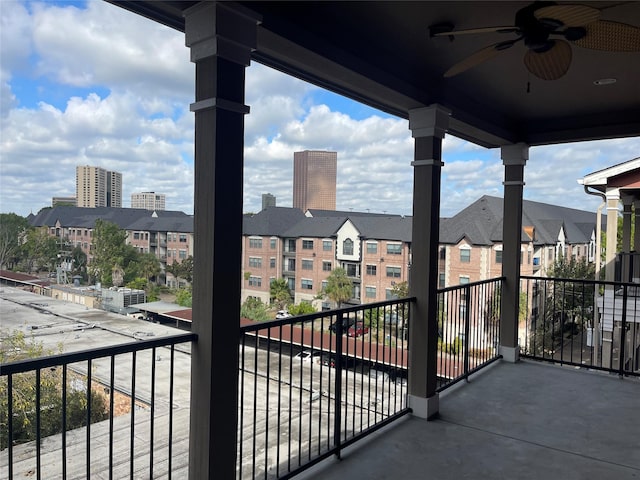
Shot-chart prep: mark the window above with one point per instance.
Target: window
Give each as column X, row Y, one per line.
column 136, row 236
column 372, row 247
column 324, row 284
column 255, row 262
column 393, row 272
column 182, row 254
column 388, row 294
column 291, row 264
column 370, row 292
column 498, row 256
column 347, row 247
column 372, row 270
column 326, row 266
column 550, row 254
column 443, row 253
column 272, row 262
column 352, row 269
column 255, row 243
column 272, row 243
column 464, row 280
column 441, row 280
column 183, row 238
column 327, row 245
column 290, row 245
column 394, row 248
column 465, row 255
column 307, row 264
column 528, row 257
column 255, row 281
column 307, row 244
column 306, row 284
column 291, row 284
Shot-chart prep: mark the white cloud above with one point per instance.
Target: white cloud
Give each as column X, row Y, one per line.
column 132, row 116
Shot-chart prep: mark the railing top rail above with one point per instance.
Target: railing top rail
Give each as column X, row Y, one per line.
column 471, row 284
column 27, row 365
column 327, row 313
column 581, row 280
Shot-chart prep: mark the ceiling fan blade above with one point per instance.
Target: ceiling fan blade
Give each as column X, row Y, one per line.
column 569, row 15
column 611, row 37
column 549, row 65
column 479, row 57
column 509, row 29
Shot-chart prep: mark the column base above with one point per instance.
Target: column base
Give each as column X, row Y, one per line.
column 510, row 354
column 424, row 407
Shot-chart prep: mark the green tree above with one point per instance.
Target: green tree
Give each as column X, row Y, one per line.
column 182, row 270
column 253, row 309
column 12, row 230
column 114, row 262
column 339, row 287
column 279, row 293
column 563, row 306
column 302, row 308
column 16, row 347
column 400, row 290
column 184, row 296
column 79, row 261
column 40, row 250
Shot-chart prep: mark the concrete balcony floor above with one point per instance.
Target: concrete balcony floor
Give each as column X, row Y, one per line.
column 514, row 421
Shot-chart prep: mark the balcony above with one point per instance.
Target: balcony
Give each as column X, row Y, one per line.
column 308, row 396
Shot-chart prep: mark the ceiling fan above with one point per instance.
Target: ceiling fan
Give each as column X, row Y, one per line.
column 547, row 30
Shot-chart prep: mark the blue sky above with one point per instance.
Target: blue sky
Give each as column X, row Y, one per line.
column 114, row 91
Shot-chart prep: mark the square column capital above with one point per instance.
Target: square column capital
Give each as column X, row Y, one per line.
column 431, row 121
column 514, row 154
column 220, row 28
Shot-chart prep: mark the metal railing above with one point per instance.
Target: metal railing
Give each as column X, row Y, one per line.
column 46, row 395
column 313, row 384
column 586, row 323
column 468, row 329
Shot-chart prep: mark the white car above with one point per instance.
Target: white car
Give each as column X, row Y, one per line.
column 283, row 314
column 307, row 355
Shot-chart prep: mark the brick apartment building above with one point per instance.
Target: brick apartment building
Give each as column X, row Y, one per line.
column 374, row 249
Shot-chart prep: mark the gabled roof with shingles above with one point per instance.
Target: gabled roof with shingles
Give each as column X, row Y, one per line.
column 481, row 223
column 271, row 221
column 317, row 227
column 69, row 216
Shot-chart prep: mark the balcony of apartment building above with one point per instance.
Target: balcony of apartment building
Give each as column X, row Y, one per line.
column 318, row 398
column 505, row 378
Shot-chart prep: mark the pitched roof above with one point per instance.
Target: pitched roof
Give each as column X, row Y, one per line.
column 69, row 216
column 271, row 221
column 481, row 223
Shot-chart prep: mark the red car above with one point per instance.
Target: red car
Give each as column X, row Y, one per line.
column 358, row 329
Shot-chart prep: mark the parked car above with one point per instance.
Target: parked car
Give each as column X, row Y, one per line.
column 283, row 314
column 358, row 329
column 346, row 324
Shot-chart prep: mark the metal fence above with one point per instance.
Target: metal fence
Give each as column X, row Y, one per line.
column 585, row 323
column 49, row 406
column 468, row 329
column 313, row 384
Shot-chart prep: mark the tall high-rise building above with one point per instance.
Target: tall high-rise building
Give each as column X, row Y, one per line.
column 314, row 179
column 268, row 200
column 148, row 200
column 97, row 187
